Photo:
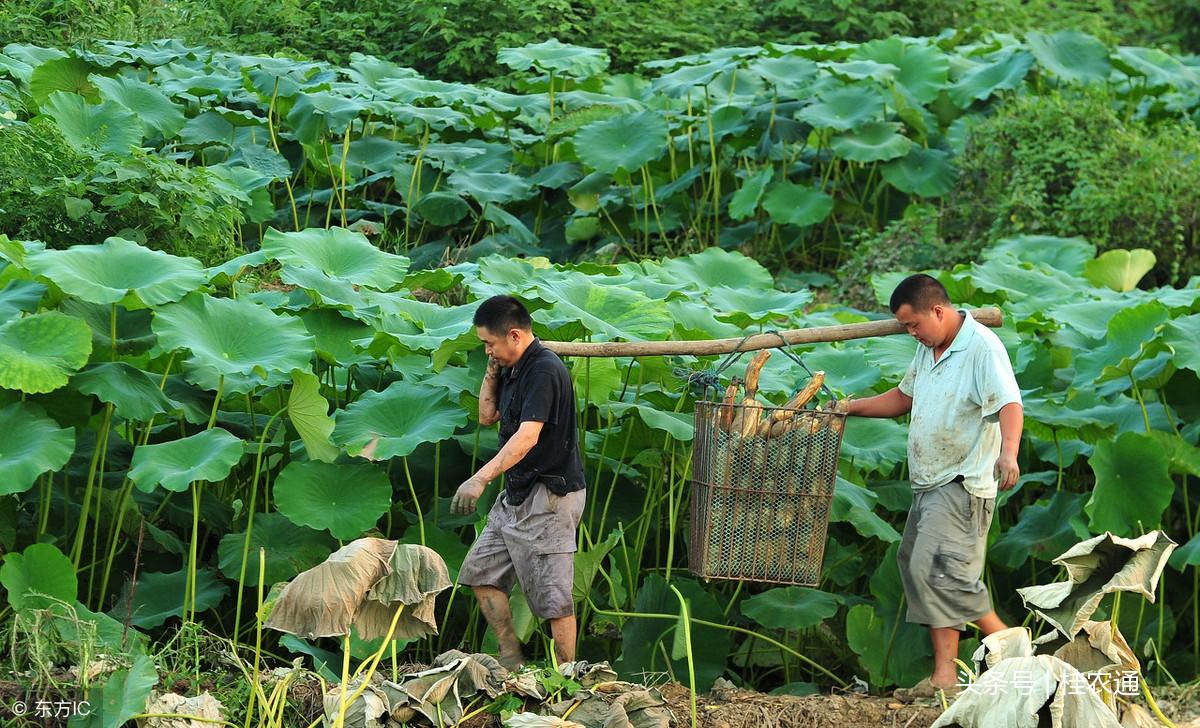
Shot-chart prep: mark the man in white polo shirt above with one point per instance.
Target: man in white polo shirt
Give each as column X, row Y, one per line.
column 965, row 427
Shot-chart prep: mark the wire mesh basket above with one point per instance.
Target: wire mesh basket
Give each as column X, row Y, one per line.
column 762, row 487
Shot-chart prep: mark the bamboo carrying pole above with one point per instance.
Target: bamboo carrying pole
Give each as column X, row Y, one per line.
column 990, row 317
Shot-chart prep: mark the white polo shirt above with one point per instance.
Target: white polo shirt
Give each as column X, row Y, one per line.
column 955, row 425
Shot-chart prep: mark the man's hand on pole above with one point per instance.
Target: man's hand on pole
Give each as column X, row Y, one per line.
column 467, row 496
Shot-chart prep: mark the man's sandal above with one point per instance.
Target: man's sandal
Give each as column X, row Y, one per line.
column 925, row 690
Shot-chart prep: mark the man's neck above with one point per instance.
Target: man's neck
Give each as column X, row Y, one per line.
column 938, row 351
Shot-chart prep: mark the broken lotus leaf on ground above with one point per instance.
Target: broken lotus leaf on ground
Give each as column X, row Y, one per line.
column 1096, row 567
column 369, row 709
column 1047, row 686
column 635, row 706
column 533, row 720
column 202, row 706
column 439, row 692
column 1098, row 648
column 361, row 585
column 1001, row 645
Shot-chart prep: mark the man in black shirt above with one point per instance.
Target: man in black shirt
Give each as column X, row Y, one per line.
column 530, row 535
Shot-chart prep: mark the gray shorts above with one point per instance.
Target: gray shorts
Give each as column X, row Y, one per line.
column 941, row 556
column 532, row 543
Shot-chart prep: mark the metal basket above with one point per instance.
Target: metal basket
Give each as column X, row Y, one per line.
column 760, row 503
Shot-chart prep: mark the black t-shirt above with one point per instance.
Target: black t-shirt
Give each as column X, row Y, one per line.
column 539, row 388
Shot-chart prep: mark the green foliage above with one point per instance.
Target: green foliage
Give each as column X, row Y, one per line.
column 52, row 192
column 1067, row 164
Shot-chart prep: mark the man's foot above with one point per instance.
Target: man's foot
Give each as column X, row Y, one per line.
column 926, row 689
column 513, row 662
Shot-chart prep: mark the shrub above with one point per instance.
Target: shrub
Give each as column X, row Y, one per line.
column 1067, row 164
column 53, row 193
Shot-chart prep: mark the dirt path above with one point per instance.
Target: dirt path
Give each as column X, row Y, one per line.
column 734, row 708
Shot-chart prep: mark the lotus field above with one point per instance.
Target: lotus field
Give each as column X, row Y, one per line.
column 178, row 437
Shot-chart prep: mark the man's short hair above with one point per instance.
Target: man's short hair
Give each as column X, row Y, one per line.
column 921, row 292
column 500, row 314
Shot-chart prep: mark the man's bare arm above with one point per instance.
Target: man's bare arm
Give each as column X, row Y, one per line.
column 1012, row 422
column 891, row 403
column 517, row 447
column 489, row 395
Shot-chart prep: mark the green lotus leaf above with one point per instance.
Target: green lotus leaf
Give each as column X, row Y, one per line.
column 1160, row 69
column 1069, row 255
column 624, row 142
column 1183, row 336
column 846, row 370
column 844, row 108
column 551, row 56
column 744, row 202
column 123, row 695
column 792, row 607
column 862, row 70
column 134, row 335
column 159, row 596
column 318, row 113
column 855, row 505
column 789, row 74
column 892, row 354
column 1119, row 270
column 791, row 204
column 1070, row 55
column 874, row 141
column 104, row 127
column 290, row 549
column 608, row 312
column 134, row 393
column 153, row 109
column 402, row 416
column 19, row 297
column 744, row 307
column 345, row 500
column 874, row 444
column 207, row 456
column 41, row 569
column 442, row 208
column 337, row 253
column 1004, row 71
column 1043, row 531
column 683, row 80
column 39, row 352
column 247, row 344
column 681, row 426
column 1128, row 331
column 923, row 172
column 581, row 229
column 712, row 267
column 421, row 326
column 497, row 187
column 1186, row 555
column 924, row 69
column 117, row 268
column 335, row 336
column 1088, row 317
column 1133, row 486
column 30, row 444
column 309, row 414
column 68, row 75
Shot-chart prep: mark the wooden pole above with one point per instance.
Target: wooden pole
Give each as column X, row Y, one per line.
column 990, row 317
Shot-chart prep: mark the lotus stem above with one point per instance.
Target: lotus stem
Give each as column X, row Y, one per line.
column 1154, row 705
column 374, row 662
column 687, row 640
column 237, row 619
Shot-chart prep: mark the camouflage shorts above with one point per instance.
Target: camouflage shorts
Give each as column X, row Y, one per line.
column 532, row 543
